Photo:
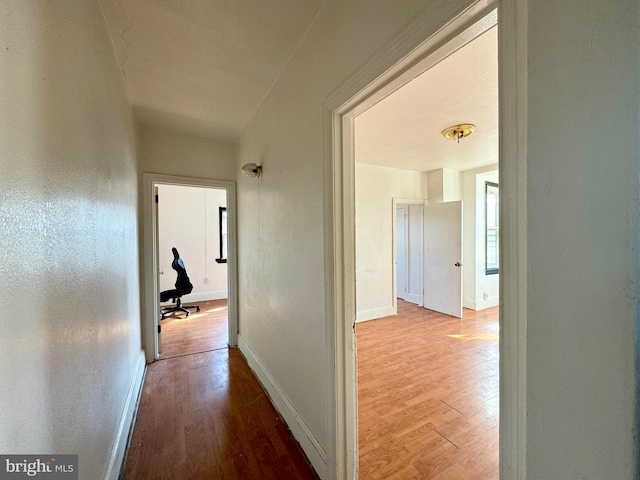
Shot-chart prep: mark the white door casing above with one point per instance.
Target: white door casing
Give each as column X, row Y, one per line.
column 443, row 258
column 156, row 234
column 150, row 256
column 421, row 45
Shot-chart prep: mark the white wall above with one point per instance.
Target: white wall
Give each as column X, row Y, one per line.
column 281, row 229
column 444, row 185
column 375, row 189
column 582, row 237
column 173, row 153
column 70, row 321
column 475, row 282
column 188, row 219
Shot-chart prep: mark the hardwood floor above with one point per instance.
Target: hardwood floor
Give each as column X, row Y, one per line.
column 428, row 395
column 205, row 416
column 199, row 332
column 427, row 399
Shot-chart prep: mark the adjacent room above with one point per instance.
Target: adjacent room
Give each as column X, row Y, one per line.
column 193, row 220
column 427, row 272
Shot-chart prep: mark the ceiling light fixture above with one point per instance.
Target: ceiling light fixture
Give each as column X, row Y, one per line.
column 252, row 170
column 458, row 131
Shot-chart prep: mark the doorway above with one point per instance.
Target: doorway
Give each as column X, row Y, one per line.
column 193, row 221
column 359, row 94
column 152, row 266
column 428, row 378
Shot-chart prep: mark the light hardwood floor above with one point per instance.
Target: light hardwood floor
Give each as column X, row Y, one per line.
column 199, row 332
column 428, row 395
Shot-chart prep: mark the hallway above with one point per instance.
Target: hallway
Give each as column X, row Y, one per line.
column 206, row 416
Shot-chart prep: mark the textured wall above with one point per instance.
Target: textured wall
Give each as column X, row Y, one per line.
column 281, row 229
column 173, row 153
column 583, row 211
column 68, row 243
column 375, row 188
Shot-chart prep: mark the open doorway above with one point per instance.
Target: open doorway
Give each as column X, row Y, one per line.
column 445, row 35
column 193, row 220
column 214, row 203
column 428, row 382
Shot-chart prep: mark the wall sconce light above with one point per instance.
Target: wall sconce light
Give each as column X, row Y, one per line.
column 252, row 170
column 458, row 131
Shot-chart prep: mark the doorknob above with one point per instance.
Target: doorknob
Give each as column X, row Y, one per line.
column 458, row 264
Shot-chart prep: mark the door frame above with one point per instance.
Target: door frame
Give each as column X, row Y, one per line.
column 394, row 259
column 418, row 47
column 150, row 255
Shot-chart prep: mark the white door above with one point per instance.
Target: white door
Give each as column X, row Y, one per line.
column 401, row 251
column 443, row 257
column 415, row 251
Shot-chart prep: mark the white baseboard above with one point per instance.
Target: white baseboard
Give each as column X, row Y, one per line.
column 374, row 313
column 204, row 296
column 128, row 414
column 481, row 304
column 315, row 452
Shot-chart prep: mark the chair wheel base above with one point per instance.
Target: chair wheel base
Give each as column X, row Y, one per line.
column 178, row 308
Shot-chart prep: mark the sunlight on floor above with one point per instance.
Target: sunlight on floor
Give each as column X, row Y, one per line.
column 480, row 336
column 195, row 316
column 219, row 309
column 201, row 331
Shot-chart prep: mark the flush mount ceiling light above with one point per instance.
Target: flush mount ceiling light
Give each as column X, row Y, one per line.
column 252, row 170
column 458, row 131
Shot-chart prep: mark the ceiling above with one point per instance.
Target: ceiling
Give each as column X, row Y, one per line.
column 404, row 129
column 204, row 66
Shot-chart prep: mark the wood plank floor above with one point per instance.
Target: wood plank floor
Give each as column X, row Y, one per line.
column 203, row 413
column 199, row 332
column 205, row 416
column 428, row 395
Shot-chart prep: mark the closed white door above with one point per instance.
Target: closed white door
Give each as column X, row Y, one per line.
column 415, row 251
column 401, row 251
column 443, row 258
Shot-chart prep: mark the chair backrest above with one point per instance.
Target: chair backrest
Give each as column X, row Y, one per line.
column 182, row 282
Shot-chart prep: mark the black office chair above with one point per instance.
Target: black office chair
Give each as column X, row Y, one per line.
column 183, row 287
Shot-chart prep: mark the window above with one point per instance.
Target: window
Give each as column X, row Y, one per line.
column 222, row 226
column 492, row 228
